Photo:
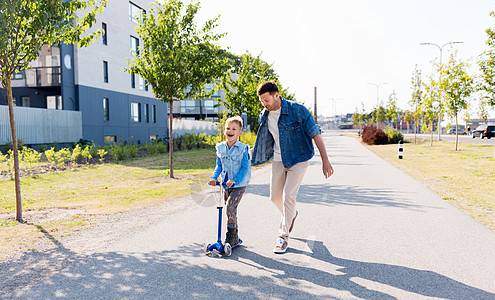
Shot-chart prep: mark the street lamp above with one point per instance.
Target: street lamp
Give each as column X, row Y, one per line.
column 441, row 51
column 377, row 96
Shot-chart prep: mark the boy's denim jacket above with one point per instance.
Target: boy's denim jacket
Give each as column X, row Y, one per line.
column 296, row 127
column 232, row 163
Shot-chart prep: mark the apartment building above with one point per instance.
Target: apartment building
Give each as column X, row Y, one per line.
column 91, row 84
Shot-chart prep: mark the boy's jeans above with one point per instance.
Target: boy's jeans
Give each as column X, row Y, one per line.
column 284, row 185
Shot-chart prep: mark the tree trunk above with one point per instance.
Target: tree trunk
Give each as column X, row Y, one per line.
column 171, row 141
column 14, row 151
column 431, row 133
column 456, row 133
column 415, row 129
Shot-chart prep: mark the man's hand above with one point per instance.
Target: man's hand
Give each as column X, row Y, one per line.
column 327, row 168
column 212, row 182
column 230, row 183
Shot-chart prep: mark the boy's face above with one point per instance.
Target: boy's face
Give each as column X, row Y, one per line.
column 232, row 132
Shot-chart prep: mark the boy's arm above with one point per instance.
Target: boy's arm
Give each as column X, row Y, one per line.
column 218, row 169
column 326, row 165
column 244, row 167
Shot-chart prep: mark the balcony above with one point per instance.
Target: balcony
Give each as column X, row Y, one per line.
column 43, row 77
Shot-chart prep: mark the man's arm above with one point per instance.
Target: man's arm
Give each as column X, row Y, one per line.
column 326, row 165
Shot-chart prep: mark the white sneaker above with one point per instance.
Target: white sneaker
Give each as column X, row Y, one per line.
column 281, row 246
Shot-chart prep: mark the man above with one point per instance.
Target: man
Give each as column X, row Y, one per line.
column 286, row 133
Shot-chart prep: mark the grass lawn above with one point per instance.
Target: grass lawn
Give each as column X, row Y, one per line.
column 465, row 178
column 80, row 196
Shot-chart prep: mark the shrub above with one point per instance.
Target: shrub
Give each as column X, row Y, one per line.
column 373, row 136
column 394, row 136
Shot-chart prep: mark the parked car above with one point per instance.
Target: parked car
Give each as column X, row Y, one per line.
column 460, row 131
column 484, row 131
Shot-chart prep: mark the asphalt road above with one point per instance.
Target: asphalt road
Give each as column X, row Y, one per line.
column 369, row 232
column 451, row 137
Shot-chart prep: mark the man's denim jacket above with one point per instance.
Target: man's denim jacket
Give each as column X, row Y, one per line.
column 296, row 127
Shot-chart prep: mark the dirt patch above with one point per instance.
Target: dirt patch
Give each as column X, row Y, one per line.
column 43, row 216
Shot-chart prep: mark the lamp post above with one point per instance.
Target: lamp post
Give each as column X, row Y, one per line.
column 441, row 52
column 377, row 97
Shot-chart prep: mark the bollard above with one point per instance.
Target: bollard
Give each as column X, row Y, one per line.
column 401, row 149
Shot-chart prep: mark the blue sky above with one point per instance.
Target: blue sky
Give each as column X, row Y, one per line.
column 341, row 46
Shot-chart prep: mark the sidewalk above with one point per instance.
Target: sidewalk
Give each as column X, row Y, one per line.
column 369, row 232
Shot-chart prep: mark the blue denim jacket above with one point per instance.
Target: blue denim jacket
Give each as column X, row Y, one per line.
column 296, row 127
column 233, row 164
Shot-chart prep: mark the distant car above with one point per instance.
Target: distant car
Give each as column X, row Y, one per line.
column 460, row 131
column 484, row 131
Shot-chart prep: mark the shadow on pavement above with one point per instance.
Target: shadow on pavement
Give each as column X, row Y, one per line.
column 343, row 195
column 170, row 274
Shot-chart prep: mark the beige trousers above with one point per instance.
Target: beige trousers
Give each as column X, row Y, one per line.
column 284, row 186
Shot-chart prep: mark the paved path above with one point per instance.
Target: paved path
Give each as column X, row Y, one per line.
column 370, row 232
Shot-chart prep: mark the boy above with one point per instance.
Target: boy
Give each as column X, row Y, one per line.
column 234, row 166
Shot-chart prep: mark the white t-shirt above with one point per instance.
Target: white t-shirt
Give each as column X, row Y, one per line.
column 273, row 128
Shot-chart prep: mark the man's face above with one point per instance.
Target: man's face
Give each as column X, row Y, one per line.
column 270, row 101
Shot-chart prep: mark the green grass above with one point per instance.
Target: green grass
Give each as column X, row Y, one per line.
column 97, row 190
column 464, row 177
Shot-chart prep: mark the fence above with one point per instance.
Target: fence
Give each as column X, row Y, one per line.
column 41, row 126
column 181, row 127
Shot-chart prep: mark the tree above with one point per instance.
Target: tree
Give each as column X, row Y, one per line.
column 391, row 110
column 457, row 86
column 486, row 63
column 177, row 58
column 408, row 118
column 416, row 98
column 241, row 84
column 431, row 103
column 26, row 25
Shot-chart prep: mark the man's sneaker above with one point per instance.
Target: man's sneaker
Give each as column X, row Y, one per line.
column 293, row 220
column 281, row 246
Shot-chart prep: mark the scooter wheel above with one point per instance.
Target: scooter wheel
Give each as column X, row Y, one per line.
column 227, row 249
column 205, row 248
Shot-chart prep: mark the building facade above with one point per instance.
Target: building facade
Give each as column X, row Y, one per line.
column 114, row 105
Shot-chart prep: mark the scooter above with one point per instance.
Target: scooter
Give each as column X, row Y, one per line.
column 219, row 247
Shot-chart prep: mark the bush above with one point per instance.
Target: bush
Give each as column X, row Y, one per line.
column 373, row 136
column 394, row 136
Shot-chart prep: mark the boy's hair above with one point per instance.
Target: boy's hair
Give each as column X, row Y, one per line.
column 235, row 119
column 267, row 86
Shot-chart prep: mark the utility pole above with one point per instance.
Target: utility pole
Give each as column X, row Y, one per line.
column 316, row 110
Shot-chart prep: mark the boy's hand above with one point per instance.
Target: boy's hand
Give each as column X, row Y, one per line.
column 230, row 183
column 212, row 182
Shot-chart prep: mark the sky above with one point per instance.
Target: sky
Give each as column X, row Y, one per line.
column 340, row 47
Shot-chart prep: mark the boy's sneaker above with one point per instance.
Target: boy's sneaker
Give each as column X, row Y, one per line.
column 293, row 220
column 281, row 246
column 231, row 236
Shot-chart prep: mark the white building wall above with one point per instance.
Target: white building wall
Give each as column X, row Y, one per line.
column 88, row 61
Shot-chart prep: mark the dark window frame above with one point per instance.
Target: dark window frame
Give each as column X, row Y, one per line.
column 105, row 71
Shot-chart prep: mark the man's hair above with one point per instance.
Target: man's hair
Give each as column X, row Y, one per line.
column 267, row 86
column 235, row 119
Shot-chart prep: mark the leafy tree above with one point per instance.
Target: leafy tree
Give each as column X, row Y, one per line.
column 391, row 110
column 486, row 63
column 431, row 103
column 408, row 118
column 241, row 84
column 177, row 59
column 26, row 25
column 416, row 98
column 457, row 86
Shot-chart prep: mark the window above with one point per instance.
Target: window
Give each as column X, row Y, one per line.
column 54, row 102
column 26, row 101
column 18, row 75
column 153, row 137
column 153, row 113
column 134, row 45
column 210, row 105
column 110, row 138
column 106, row 111
column 135, row 12
column 133, row 80
column 142, row 83
column 146, row 115
column 104, row 35
column 135, row 112
column 187, row 106
column 105, row 71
